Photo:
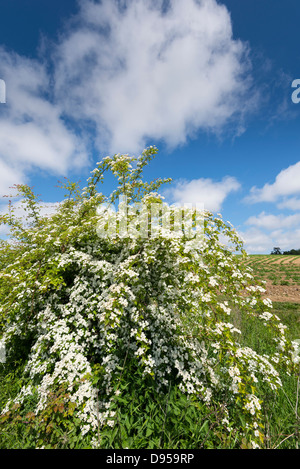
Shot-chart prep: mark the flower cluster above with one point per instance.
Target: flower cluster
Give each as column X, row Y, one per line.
column 90, row 305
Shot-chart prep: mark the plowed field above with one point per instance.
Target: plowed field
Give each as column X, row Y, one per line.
column 282, row 274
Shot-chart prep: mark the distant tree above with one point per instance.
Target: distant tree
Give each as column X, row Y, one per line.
column 292, row 252
column 276, row 251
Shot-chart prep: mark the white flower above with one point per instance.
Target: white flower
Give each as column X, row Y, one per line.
column 266, row 316
column 268, row 302
column 213, row 282
column 225, row 308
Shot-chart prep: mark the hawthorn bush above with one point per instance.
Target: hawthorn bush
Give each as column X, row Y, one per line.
column 126, row 340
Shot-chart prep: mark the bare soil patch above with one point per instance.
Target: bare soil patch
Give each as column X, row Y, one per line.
column 296, row 261
column 282, row 293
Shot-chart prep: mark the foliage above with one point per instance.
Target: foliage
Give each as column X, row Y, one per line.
column 106, row 326
column 276, row 251
column 292, row 252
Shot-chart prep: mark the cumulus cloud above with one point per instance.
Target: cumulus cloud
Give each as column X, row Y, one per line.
column 10, row 174
column 267, row 230
column 122, row 74
column 202, row 191
column 32, row 131
column 272, row 222
column 139, row 71
column 287, row 183
column 259, row 241
column 256, row 241
column 291, row 203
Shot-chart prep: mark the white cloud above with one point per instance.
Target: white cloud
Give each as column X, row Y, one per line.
column 288, row 240
column 291, row 203
column 32, row 131
column 130, row 72
column 287, row 183
column 272, row 222
column 202, row 191
column 141, row 73
column 10, row 174
column 268, row 230
column 258, row 241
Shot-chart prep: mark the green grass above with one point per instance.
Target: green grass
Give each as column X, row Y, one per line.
column 289, row 313
column 282, row 415
column 281, row 408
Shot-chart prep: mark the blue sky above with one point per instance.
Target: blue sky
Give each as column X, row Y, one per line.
column 209, row 83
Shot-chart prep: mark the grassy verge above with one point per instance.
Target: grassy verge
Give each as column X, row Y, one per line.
column 281, row 408
column 283, row 411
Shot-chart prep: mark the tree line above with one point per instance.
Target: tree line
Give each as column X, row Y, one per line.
column 292, row 252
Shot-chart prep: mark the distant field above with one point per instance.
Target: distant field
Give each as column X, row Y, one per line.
column 281, row 273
